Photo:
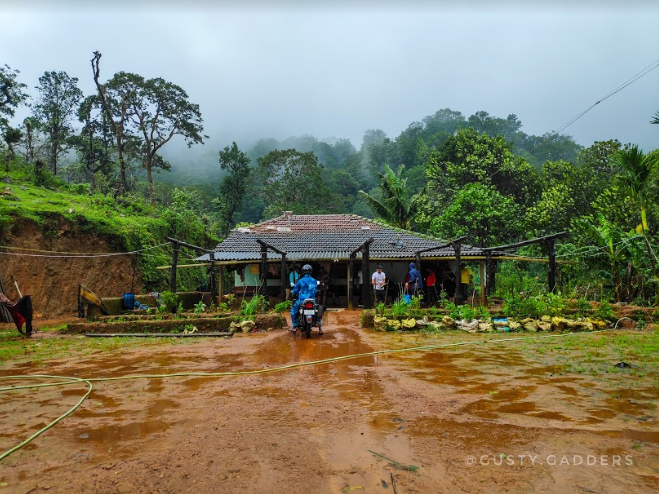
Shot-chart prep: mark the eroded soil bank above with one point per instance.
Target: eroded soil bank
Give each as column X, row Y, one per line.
column 485, row 417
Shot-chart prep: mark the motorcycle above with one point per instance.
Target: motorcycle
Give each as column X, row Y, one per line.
column 311, row 314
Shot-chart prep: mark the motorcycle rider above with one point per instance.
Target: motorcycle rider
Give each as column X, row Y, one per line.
column 306, row 287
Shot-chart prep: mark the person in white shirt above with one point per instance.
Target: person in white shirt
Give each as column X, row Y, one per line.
column 379, row 282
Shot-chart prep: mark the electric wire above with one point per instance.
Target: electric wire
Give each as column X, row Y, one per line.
column 633, row 79
column 89, row 381
column 69, row 255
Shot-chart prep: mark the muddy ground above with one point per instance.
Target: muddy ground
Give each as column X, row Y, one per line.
column 484, row 417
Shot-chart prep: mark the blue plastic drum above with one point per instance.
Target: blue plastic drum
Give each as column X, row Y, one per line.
column 128, row 302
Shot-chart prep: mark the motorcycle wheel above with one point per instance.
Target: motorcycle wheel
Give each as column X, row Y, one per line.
column 307, row 329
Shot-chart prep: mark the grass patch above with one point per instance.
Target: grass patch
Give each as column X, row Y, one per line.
column 14, row 348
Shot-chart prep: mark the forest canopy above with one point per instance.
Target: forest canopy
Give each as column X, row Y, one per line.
column 447, row 174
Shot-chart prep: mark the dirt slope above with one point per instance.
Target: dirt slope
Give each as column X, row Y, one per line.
column 53, row 282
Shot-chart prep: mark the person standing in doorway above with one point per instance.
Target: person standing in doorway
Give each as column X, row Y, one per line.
column 360, row 287
column 431, row 281
column 379, row 281
column 293, row 278
column 323, row 285
column 415, row 283
column 448, row 284
column 465, row 281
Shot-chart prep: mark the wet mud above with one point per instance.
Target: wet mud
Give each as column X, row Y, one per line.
column 427, row 414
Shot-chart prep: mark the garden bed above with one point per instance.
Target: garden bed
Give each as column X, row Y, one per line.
column 149, row 325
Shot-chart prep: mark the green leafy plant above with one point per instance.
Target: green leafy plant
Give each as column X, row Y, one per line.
column 466, row 312
column 257, row 304
column 170, row 301
column 534, row 306
column 583, row 306
column 605, row 311
column 400, row 308
column 200, row 307
column 483, row 313
column 283, row 306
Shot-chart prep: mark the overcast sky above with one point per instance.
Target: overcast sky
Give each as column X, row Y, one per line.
column 280, row 69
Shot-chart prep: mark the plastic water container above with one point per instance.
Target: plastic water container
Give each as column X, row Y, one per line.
column 128, row 302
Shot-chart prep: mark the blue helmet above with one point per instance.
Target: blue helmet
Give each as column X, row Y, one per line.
column 307, row 269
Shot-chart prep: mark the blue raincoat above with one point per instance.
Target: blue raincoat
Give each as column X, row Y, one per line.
column 415, row 282
column 306, row 287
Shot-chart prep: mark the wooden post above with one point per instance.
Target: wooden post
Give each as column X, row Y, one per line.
column 81, row 305
column 263, row 272
column 488, row 272
column 483, row 284
column 552, row 264
column 459, row 299
column 172, row 274
column 350, row 269
column 494, row 275
column 282, row 277
column 220, row 285
column 367, row 293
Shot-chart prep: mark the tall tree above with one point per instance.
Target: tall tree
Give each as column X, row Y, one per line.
column 394, row 207
column 637, row 175
column 58, row 103
column 31, row 126
column 160, row 110
column 12, row 93
column 234, row 184
column 94, row 141
column 114, row 98
column 494, row 126
column 470, row 157
column 291, row 181
column 635, row 172
column 11, row 136
column 479, row 210
column 549, row 147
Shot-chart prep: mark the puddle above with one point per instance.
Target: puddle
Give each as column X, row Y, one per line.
column 109, row 436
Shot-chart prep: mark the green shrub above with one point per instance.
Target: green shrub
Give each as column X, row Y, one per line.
column 583, row 306
column 605, row 311
column 170, row 302
column 257, row 304
column 367, row 318
column 534, row 306
column 400, row 308
column 199, row 307
column 283, row 306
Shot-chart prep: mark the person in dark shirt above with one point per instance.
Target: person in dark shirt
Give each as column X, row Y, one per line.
column 323, row 285
column 415, row 283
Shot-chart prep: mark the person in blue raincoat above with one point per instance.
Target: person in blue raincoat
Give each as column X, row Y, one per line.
column 415, row 284
column 306, row 287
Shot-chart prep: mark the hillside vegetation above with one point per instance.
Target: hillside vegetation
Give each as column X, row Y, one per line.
column 127, row 224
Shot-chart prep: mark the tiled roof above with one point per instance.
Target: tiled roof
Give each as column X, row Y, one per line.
column 328, row 237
